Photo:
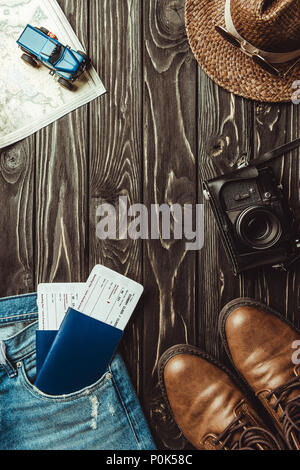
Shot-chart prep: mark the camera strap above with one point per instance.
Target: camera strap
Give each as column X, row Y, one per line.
column 272, row 155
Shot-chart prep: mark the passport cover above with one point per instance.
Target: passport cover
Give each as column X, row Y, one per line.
column 44, row 341
column 79, row 355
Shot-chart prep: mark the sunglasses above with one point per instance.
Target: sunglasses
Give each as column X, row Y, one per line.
column 258, row 59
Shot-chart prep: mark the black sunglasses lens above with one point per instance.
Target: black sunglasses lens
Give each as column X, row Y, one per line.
column 265, row 65
column 227, row 36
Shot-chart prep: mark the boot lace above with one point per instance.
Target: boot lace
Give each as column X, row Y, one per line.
column 290, row 417
column 250, row 438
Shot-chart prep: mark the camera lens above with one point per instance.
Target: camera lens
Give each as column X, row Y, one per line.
column 259, row 228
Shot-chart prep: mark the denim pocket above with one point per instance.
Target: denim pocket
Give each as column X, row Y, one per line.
column 27, row 374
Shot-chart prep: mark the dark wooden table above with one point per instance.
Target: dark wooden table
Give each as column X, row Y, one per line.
column 162, row 128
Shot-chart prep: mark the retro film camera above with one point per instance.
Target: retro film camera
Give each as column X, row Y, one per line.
column 256, row 224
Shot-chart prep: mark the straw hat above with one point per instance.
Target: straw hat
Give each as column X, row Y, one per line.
column 235, row 41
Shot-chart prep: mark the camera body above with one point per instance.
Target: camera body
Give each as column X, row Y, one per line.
column 253, row 215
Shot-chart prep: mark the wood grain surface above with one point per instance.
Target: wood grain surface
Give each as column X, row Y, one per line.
column 161, row 129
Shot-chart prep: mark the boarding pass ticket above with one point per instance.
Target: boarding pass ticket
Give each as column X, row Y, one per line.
column 54, row 300
column 106, row 296
column 110, row 297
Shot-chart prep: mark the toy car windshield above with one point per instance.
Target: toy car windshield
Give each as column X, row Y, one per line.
column 56, row 54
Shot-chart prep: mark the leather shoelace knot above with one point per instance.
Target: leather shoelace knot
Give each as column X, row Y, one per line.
column 290, row 417
column 250, row 437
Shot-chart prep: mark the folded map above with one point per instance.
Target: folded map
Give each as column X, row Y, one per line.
column 30, row 98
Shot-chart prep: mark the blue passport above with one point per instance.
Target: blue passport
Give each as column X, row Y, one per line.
column 76, row 356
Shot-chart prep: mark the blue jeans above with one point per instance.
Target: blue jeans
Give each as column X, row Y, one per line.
column 106, row 415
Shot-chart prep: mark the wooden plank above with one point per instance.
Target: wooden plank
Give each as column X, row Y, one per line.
column 61, row 185
column 275, row 125
column 115, row 145
column 170, row 154
column 16, row 208
column 225, row 133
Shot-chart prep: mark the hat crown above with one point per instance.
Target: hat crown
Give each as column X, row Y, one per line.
column 271, row 25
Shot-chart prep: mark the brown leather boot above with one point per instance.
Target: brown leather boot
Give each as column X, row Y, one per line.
column 260, row 344
column 207, row 405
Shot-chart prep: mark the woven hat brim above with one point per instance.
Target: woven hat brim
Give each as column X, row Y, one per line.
column 228, row 66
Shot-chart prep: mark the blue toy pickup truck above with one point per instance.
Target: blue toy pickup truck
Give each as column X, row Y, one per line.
column 41, row 46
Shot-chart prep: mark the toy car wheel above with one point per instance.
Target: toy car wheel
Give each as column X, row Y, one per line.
column 66, row 84
column 27, row 52
column 44, row 30
column 29, row 60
